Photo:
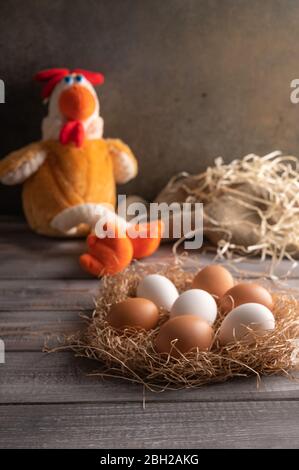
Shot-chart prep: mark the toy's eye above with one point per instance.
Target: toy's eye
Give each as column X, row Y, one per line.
column 79, row 78
column 68, row 79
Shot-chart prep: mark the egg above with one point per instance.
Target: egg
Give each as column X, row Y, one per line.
column 195, row 302
column 190, row 332
column 245, row 293
column 158, row 289
column 214, row 279
column 255, row 316
column 135, row 313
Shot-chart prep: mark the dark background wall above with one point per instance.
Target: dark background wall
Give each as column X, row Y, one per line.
column 186, row 80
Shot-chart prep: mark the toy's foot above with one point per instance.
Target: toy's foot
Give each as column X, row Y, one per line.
column 88, row 213
column 148, row 240
column 91, row 265
column 106, row 255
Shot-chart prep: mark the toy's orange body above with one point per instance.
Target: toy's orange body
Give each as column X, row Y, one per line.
column 69, row 176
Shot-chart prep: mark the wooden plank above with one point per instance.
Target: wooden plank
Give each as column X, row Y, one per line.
column 26, row 255
column 66, row 294
column 59, row 260
column 32, row 377
column 250, row 268
column 34, row 257
column 161, row 425
column 9, row 223
column 48, row 295
column 28, row 330
column 59, row 405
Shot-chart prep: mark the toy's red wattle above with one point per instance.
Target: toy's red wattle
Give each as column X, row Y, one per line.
column 72, row 131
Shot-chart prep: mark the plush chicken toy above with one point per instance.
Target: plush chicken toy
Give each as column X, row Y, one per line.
column 70, row 175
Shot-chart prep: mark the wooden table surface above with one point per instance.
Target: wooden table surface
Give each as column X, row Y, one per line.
column 49, row 401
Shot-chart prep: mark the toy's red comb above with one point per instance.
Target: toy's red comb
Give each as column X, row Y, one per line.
column 52, row 77
column 95, row 78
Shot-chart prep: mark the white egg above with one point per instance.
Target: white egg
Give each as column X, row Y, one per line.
column 158, row 289
column 240, row 320
column 196, row 302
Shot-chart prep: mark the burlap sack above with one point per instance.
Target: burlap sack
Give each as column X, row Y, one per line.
column 229, row 216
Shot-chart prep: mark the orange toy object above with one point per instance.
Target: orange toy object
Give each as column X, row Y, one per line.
column 70, row 175
column 108, row 256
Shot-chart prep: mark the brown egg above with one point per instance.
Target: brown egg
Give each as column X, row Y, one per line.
column 214, row 279
column 190, row 331
column 134, row 313
column 245, row 293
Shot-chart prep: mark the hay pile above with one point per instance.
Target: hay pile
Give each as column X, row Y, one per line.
column 130, row 355
column 251, row 205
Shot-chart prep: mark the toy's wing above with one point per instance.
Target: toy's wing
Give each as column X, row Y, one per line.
column 19, row 165
column 124, row 162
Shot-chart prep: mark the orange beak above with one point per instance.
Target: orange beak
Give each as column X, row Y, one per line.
column 77, row 103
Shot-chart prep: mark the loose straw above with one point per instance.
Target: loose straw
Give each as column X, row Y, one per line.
column 267, row 186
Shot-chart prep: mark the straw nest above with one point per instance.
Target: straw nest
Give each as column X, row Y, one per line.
column 131, row 355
